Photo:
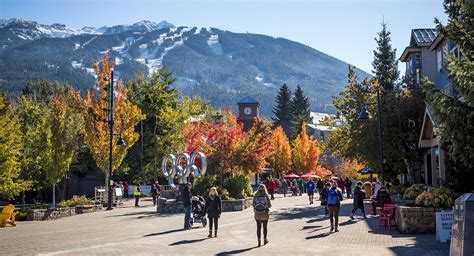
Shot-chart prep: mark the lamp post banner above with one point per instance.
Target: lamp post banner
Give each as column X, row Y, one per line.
column 183, row 171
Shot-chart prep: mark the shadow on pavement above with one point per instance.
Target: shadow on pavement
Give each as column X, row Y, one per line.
column 309, row 227
column 188, row 241
column 235, row 251
column 164, row 232
column 296, row 213
column 319, row 235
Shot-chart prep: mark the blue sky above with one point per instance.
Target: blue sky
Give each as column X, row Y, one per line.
column 342, row 28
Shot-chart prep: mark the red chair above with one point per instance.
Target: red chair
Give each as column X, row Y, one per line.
column 385, row 216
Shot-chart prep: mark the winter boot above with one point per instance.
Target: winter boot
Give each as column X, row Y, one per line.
column 215, row 233
column 259, row 243
column 336, row 230
column 265, row 241
column 210, row 234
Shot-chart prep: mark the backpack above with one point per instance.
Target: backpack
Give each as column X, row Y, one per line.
column 260, row 204
column 332, row 197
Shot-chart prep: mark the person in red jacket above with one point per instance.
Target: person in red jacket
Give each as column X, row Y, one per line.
column 271, row 188
column 340, row 185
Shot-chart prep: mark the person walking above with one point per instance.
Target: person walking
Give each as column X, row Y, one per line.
column 136, row 193
column 261, row 206
column 284, row 187
column 340, row 185
column 348, row 185
column 213, row 210
column 324, row 197
column 359, row 195
column 300, row 186
column 334, row 205
column 186, row 197
column 320, row 186
column 125, row 190
column 271, row 188
column 310, row 186
column 155, row 192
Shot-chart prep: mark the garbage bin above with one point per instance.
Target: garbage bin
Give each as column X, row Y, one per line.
column 462, row 235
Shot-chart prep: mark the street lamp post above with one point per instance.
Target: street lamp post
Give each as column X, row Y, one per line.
column 365, row 115
column 111, row 131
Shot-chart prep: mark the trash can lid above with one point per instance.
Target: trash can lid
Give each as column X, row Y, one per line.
column 467, row 197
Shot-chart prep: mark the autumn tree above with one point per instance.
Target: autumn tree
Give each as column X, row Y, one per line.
column 279, row 158
column 126, row 115
column 348, row 168
column 305, row 152
column 11, row 146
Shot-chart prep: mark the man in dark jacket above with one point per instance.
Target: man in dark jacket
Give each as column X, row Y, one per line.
column 186, row 196
column 348, row 185
column 320, row 185
column 359, row 195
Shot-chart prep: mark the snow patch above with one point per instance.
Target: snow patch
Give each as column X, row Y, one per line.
column 88, row 42
column 77, row 46
column 118, row 61
column 76, row 64
column 271, row 85
column 143, row 46
column 214, row 44
column 259, row 78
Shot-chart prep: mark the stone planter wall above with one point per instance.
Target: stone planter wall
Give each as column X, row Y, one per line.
column 416, row 219
column 174, row 206
column 170, row 194
column 52, row 214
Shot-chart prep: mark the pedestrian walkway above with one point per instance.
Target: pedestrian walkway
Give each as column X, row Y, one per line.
column 295, row 228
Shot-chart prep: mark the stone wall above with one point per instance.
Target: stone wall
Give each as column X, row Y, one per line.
column 416, row 219
column 52, row 214
column 174, row 206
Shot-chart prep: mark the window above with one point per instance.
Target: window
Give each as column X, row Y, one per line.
column 439, row 59
column 418, row 75
column 417, row 58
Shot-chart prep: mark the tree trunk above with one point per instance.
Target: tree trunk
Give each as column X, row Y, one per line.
column 23, row 199
column 54, row 195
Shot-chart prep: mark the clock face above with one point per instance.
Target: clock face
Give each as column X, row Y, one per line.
column 247, row 110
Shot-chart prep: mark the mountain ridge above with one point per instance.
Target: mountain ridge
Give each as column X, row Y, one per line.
column 220, row 65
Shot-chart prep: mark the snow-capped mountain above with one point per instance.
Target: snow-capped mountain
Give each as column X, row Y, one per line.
column 218, row 65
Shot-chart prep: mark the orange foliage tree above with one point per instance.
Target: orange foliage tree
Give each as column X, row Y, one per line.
column 279, row 158
column 349, row 168
column 305, row 152
column 126, row 116
column 322, row 171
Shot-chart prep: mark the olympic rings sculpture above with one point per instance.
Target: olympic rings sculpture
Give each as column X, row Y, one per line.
column 183, row 171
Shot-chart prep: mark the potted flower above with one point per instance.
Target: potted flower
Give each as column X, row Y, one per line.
column 412, row 193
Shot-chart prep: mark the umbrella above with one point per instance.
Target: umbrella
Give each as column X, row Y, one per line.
column 366, row 170
column 291, row 175
column 309, row 175
column 334, row 178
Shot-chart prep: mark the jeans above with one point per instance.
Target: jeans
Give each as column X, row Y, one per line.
column 259, row 229
column 334, row 214
column 214, row 221
column 136, row 200
column 187, row 217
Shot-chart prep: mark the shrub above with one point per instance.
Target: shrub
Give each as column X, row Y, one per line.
column 203, row 184
column 437, row 197
column 75, row 200
column 414, row 191
column 238, row 185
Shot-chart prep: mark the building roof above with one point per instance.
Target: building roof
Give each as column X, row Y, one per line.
column 423, row 36
column 247, row 100
column 407, row 51
column 436, row 42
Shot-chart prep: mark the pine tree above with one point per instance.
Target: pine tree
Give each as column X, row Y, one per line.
column 282, row 110
column 385, row 62
column 455, row 114
column 301, row 112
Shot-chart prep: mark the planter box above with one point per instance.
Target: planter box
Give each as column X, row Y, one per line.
column 52, row 214
column 174, row 206
column 415, row 220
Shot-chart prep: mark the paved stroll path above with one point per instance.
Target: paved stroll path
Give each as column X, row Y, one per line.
column 295, row 228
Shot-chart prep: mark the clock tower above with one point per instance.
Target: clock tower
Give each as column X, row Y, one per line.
column 249, row 109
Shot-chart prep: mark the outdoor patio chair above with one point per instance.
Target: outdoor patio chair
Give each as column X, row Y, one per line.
column 385, row 217
column 8, row 216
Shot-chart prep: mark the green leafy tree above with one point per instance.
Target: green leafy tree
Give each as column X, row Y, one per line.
column 300, row 108
column 385, row 61
column 282, row 111
column 455, row 113
column 11, row 146
column 61, row 139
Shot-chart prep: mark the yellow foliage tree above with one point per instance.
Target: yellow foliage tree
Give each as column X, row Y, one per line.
column 305, row 152
column 125, row 115
column 349, row 168
column 280, row 155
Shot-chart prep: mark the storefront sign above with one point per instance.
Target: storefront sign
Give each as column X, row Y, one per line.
column 444, row 222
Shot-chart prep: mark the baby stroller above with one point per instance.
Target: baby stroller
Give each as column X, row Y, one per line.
column 198, row 209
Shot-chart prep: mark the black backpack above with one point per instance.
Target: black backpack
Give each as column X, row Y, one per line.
column 261, row 204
